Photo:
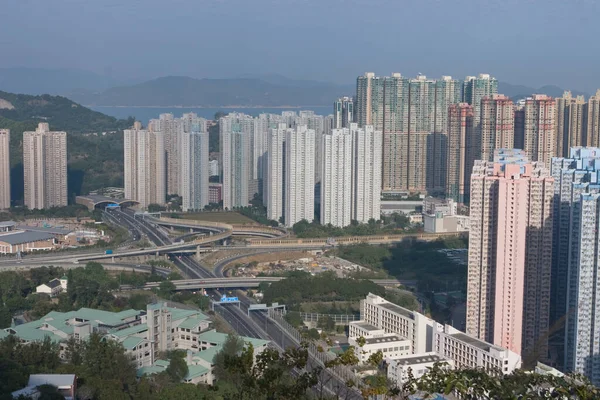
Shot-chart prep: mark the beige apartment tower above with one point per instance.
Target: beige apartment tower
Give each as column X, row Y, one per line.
column 593, row 121
column 497, row 123
column 510, row 253
column 460, row 137
column 4, row 169
column 570, row 123
column 145, row 169
column 540, row 128
column 45, row 168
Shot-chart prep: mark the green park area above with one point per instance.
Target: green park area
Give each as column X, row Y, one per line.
column 413, row 260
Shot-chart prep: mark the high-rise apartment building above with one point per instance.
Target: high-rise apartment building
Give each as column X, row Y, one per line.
column 460, row 138
column 570, row 123
column 343, row 112
column 412, row 114
column 290, row 186
column 194, row 164
column 539, row 128
column 475, row 88
column 593, row 120
column 448, row 91
column 145, row 166
column 4, row 169
column 300, row 175
column 369, row 100
column 235, row 134
column 497, row 125
column 274, row 194
column 575, row 261
column 171, row 130
column 510, row 253
column 45, row 168
column 336, row 183
column 366, row 173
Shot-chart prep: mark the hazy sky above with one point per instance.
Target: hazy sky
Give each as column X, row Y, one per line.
column 532, row 42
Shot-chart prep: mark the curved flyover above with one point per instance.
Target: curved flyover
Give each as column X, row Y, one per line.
column 236, row 230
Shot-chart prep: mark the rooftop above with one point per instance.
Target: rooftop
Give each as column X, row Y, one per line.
column 7, row 224
column 53, row 283
column 53, row 230
column 25, row 237
column 58, row 380
column 418, row 359
column 364, row 325
column 398, row 310
column 472, row 341
column 384, row 339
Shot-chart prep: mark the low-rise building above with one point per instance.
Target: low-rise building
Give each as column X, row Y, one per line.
column 54, row 287
column 469, row 352
column 143, row 334
column 440, row 216
column 215, row 192
column 389, row 345
column 381, row 318
column 66, row 384
column 417, row 364
column 417, row 328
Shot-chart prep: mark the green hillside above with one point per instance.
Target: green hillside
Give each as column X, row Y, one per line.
column 95, row 159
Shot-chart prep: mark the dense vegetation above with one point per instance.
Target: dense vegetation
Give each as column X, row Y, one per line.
column 394, row 224
column 91, row 287
column 413, row 260
column 301, row 288
column 94, row 160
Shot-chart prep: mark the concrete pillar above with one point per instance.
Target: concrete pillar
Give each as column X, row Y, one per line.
column 112, row 259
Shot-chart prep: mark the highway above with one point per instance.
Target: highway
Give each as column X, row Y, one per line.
column 257, row 326
column 241, row 282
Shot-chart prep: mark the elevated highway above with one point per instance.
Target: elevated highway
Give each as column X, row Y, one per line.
column 235, row 282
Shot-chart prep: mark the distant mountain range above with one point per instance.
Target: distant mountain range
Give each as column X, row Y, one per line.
column 517, row 92
column 249, row 90
column 245, row 92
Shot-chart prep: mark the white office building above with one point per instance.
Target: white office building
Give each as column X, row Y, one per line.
column 336, row 178
column 469, row 352
column 400, row 368
column 415, row 327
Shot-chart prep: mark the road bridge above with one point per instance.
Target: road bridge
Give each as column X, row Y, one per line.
column 235, row 282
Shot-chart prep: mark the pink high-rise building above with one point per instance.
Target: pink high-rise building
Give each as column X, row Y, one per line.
column 510, row 250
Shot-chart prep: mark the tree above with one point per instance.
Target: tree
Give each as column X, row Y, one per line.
column 178, row 368
column 232, row 348
column 326, row 323
column 375, row 359
column 156, row 208
column 313, row 334
column 166, row 289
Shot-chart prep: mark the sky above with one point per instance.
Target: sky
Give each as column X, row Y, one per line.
column 532, row 42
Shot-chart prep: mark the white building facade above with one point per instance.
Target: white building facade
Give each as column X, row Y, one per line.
column 195, row 167
column 336, row 178
column 366, row 173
